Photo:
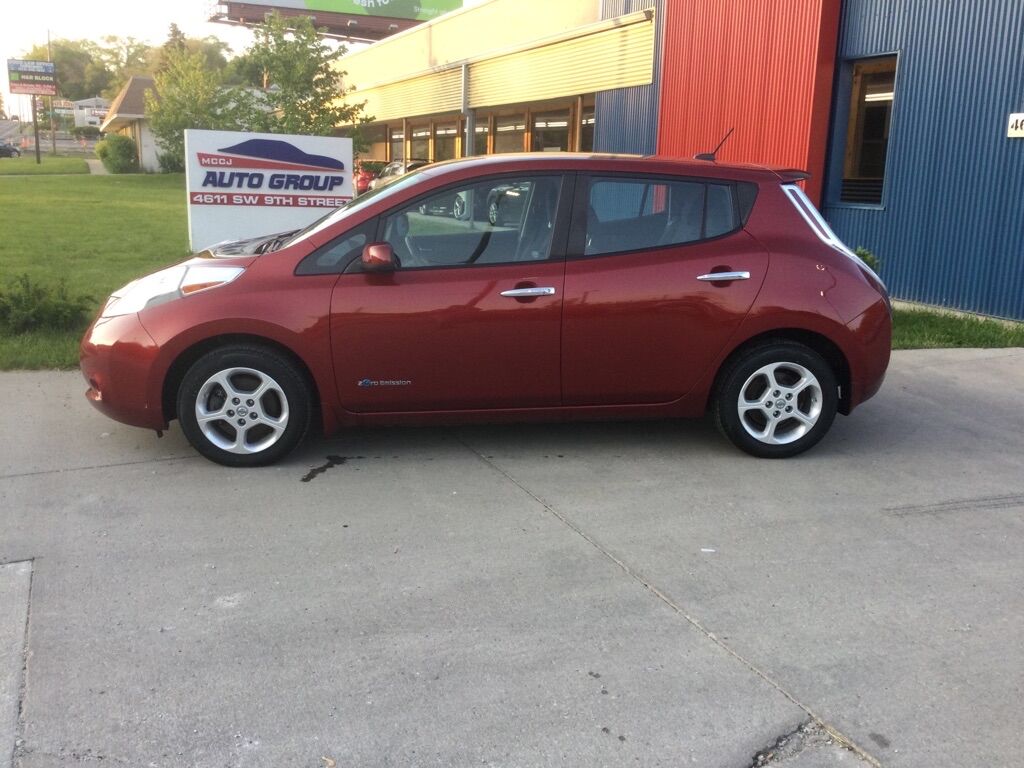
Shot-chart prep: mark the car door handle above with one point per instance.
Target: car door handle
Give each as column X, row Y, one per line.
column 721, row 277
column 519, row 293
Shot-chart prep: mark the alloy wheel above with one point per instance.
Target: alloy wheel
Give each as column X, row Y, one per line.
column 241, row 410
column 779, row 403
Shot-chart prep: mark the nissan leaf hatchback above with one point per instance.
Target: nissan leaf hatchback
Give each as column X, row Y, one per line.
column 563, row 287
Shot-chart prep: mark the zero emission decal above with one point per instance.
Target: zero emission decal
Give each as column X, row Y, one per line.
column 269, row 172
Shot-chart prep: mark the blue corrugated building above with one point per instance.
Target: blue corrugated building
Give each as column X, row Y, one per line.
column 946, row 212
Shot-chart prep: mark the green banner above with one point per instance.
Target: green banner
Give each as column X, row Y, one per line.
column 421, row 10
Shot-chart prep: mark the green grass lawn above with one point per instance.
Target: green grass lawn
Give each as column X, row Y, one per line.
column 925, row 329
column 99, row 232
column 26, row 165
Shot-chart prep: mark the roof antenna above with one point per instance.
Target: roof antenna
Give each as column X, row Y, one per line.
column 711, row 155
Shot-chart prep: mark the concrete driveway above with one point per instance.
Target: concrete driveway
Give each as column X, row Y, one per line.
column 560, row 595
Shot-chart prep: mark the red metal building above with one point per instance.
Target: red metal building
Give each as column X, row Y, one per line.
column 762, row 67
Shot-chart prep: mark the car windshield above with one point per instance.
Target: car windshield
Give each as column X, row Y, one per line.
column 354, row 205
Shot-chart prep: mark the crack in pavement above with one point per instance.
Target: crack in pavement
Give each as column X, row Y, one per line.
column 62, row 470
column 958, row 505
column 647, row 584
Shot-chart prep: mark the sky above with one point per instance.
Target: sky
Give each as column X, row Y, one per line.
column 23, row 24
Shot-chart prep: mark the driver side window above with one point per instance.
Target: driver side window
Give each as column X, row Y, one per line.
column 492, row 222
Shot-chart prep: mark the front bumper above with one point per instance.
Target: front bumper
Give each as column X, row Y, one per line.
column 116, row 358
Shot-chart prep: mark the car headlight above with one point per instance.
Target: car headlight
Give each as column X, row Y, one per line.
column 167, row 284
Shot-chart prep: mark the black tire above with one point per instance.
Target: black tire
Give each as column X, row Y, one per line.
column 811, row 410
column 275, row 423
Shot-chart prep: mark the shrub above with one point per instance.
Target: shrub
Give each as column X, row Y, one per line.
column 868, row 257
column 171, row 162
column 118, row 154
column 85, row 132
column 27, row 306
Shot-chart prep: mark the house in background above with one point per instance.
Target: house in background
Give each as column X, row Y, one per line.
column 127, row 116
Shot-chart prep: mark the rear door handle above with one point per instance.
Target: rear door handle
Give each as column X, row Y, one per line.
column 721, row 277
column 519, row 293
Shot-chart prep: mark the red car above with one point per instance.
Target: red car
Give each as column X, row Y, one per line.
column 617, row 287
column 366, row 171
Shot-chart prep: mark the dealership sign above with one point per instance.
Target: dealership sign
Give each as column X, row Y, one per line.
column 38, row 78
column 419, row 10
column 243, row 185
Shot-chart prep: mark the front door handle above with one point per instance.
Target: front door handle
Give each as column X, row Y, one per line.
column 520, row 293
column 721, row 277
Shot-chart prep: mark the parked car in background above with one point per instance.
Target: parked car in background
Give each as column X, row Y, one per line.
column 366, row 171
column 621, row 287
column 9, row 150
column 506, row 203
column 395, row 170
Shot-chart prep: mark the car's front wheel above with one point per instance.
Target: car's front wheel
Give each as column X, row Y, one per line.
column 776, row 400
column 244, row 406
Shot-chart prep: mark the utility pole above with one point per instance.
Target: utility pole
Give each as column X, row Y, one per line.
column 53, row 132
column 35, row 128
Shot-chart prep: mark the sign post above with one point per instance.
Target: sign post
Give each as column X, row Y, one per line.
column 35, row 130
column 32, row 78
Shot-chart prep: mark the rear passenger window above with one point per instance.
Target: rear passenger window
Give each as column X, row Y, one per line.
column 634, row 214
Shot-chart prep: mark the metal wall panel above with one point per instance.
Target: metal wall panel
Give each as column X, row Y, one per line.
column 950, row 230
column 423, row 95
column 617, row 57
column 626, row 119
column 763, row 67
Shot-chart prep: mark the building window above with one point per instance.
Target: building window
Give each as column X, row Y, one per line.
column 551, row 131
column 509, row 132
column 419, row 148
column 587, row 130
column 480, row 133
column 445, row 135
column 867, row 133
column 396, row 140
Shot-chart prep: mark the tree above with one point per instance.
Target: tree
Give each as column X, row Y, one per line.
column 175, row 40
column 214, row 51
column 123, row 57
column 80, row 75
column 300, row 90
column 188, row 95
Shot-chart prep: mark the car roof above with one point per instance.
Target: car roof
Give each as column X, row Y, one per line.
column 599, row 162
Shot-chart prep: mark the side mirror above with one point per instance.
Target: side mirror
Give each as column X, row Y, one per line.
column 379, row 257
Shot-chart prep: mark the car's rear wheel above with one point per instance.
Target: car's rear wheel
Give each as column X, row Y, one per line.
column 244, row 406
column 776, row 400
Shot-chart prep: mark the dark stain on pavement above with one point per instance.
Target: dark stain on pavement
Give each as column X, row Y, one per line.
column 332, row 461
